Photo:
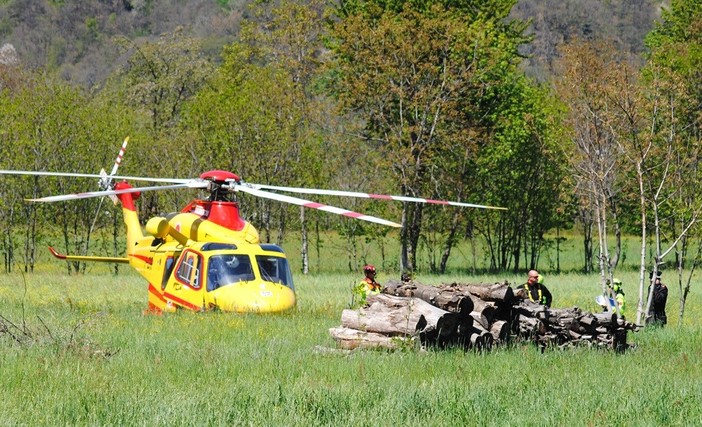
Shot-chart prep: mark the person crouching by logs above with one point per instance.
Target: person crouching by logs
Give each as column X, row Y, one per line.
column 366, row 287
column 535, row 289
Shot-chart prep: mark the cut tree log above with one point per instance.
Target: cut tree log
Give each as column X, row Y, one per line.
column 350, row 339
column 439, row 297
column 390, row 315
column 440, row 316
column 481, row 319
column 500, row 330
column 495, row 292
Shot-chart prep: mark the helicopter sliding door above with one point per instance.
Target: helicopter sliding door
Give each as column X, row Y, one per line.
column 187, row 286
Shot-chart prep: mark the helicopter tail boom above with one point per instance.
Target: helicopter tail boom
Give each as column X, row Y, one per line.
column 58, row 255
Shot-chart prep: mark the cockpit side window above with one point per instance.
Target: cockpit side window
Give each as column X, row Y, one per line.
column 227, row 269
column 275, row 269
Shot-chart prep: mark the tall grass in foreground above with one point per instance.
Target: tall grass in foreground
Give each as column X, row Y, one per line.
column 94, row 359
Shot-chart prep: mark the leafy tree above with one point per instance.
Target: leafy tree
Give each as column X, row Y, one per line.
column 520, row 166
column 431, row 80
column 47, row 129
column 160, row 76
column 671, row 87
column 156, row 81
column 259, row 109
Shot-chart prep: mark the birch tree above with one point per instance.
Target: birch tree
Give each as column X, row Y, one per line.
column 591, row 75
column 674, row 99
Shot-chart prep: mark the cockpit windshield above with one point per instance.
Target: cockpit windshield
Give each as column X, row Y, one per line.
column 275, row 269
column 227, row 269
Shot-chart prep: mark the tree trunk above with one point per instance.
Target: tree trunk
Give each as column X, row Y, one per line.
column 587, row 247
column 450, row 241
column 414, row 233
column 304, row 253
column 642, row 260
column 406, row 265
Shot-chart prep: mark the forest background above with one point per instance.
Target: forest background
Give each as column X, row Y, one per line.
column 580, row 117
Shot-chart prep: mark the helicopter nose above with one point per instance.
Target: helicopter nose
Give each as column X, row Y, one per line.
column 253, row 297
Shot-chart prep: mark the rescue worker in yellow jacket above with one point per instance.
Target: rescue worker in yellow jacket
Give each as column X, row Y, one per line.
column 366, row 287
column 618, row 294
column 536, row 291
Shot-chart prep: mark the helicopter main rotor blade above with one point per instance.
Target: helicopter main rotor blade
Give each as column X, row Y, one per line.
column 89, row 194
column 313, row 205
column 371, row 196
column 89, row 175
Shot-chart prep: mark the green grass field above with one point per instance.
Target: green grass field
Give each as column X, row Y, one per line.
column 92, row 358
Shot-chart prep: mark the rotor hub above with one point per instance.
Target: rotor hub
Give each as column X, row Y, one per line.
column 220, row 186
column 220, row 176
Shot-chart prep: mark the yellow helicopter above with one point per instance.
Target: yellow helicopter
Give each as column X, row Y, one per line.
column 206, row 256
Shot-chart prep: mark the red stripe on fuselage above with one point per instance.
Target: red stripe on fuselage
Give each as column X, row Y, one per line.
column 182, row 302
column 155, row 292
column 146, row 259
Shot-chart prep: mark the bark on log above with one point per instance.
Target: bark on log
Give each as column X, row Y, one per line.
column 384, row 319
column 532, row 309
column 392, row 315
column 350, row 339
column 439, row 297
column 531, row 326
column 481, row 341
column 607, row 319
column 486, row 308
column 496, row 292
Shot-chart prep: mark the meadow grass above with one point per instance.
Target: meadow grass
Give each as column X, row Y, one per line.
column 95, row 359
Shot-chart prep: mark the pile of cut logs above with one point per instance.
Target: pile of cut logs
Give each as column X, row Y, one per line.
column 477, row 316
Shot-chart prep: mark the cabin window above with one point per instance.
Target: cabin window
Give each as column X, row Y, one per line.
column 275, row 269
column 188, row 271
column 227, row 269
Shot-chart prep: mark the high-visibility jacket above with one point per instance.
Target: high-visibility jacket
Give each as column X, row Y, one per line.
column 538, row 294
column 363, row 289
column 621, row 302
column 372, row 287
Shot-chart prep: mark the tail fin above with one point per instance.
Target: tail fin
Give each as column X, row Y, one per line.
column 131, row 219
